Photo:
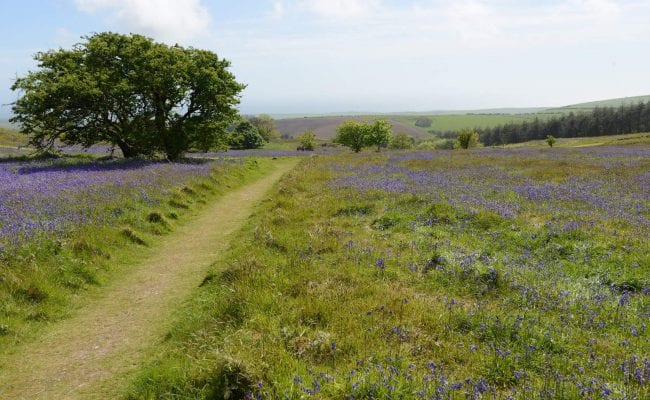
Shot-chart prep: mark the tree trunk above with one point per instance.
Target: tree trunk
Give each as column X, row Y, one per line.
column 127, row 151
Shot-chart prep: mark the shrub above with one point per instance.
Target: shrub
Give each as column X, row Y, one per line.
column 423, row 122
column 307, row 141
column 402, row 141
column 447, row 144
column 550, row 140
column 246, row 136
column 467, row 138
column 426, row 145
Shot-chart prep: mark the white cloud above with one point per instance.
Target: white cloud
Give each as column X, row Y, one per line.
column 279, row 10
column 473, row 21
column 64, row 38
column 605, row 8
column 341, row 9
column 168, row 20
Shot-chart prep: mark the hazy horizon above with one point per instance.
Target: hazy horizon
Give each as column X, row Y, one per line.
column 371, row 56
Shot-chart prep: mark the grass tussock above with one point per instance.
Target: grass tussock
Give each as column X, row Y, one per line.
column 133, row 237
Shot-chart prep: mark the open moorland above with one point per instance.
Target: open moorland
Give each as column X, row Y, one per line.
column 517, row 272
column 325, row 199
column 494, row 273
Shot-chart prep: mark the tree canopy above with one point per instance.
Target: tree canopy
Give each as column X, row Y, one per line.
column 628, row 118
column 423, row 122
column 352, row 134
column 265, row 125
column 357, row 135
column 380, row 133
column 246, row 136
column 142, row 96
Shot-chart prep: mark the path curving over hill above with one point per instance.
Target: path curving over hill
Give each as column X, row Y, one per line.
column 91, row 354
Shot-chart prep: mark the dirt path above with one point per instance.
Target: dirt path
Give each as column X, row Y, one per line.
column 91, row 354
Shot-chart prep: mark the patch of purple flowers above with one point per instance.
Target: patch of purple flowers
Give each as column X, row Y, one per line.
column 51, row 197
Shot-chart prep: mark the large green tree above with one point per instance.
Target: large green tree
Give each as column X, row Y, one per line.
column 144, row 97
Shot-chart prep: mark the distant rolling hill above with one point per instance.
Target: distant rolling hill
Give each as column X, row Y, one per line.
column 325, row 127
column 600, row 103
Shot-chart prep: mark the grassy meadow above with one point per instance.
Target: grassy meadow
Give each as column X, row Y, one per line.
column 513, row 272
column 482, row 274
column 68, row 225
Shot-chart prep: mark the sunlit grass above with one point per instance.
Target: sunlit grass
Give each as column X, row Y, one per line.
column 427, row 275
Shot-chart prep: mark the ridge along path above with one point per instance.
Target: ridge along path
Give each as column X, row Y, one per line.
column 91, row 354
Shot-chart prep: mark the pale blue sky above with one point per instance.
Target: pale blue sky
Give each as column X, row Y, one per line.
column 302, row 56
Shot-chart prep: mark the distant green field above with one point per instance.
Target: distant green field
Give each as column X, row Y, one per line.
column 455, row 122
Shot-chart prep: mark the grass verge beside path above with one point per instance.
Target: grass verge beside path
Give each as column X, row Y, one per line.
column 45, row 276
column 90, row 353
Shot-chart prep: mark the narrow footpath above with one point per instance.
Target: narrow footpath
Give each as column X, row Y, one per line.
column 90, row 355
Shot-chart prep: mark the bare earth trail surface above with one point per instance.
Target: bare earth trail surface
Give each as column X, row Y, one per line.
column 91, row 354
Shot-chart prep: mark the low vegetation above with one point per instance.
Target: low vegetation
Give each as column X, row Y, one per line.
column 492, row 273
column 307, row 141
column 467, row 139
column 401, row 141
column 68, row 225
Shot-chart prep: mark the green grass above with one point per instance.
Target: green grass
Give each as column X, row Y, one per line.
column 613, row 140
column 377, row 293
column 12, row 139
column 48, row 277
